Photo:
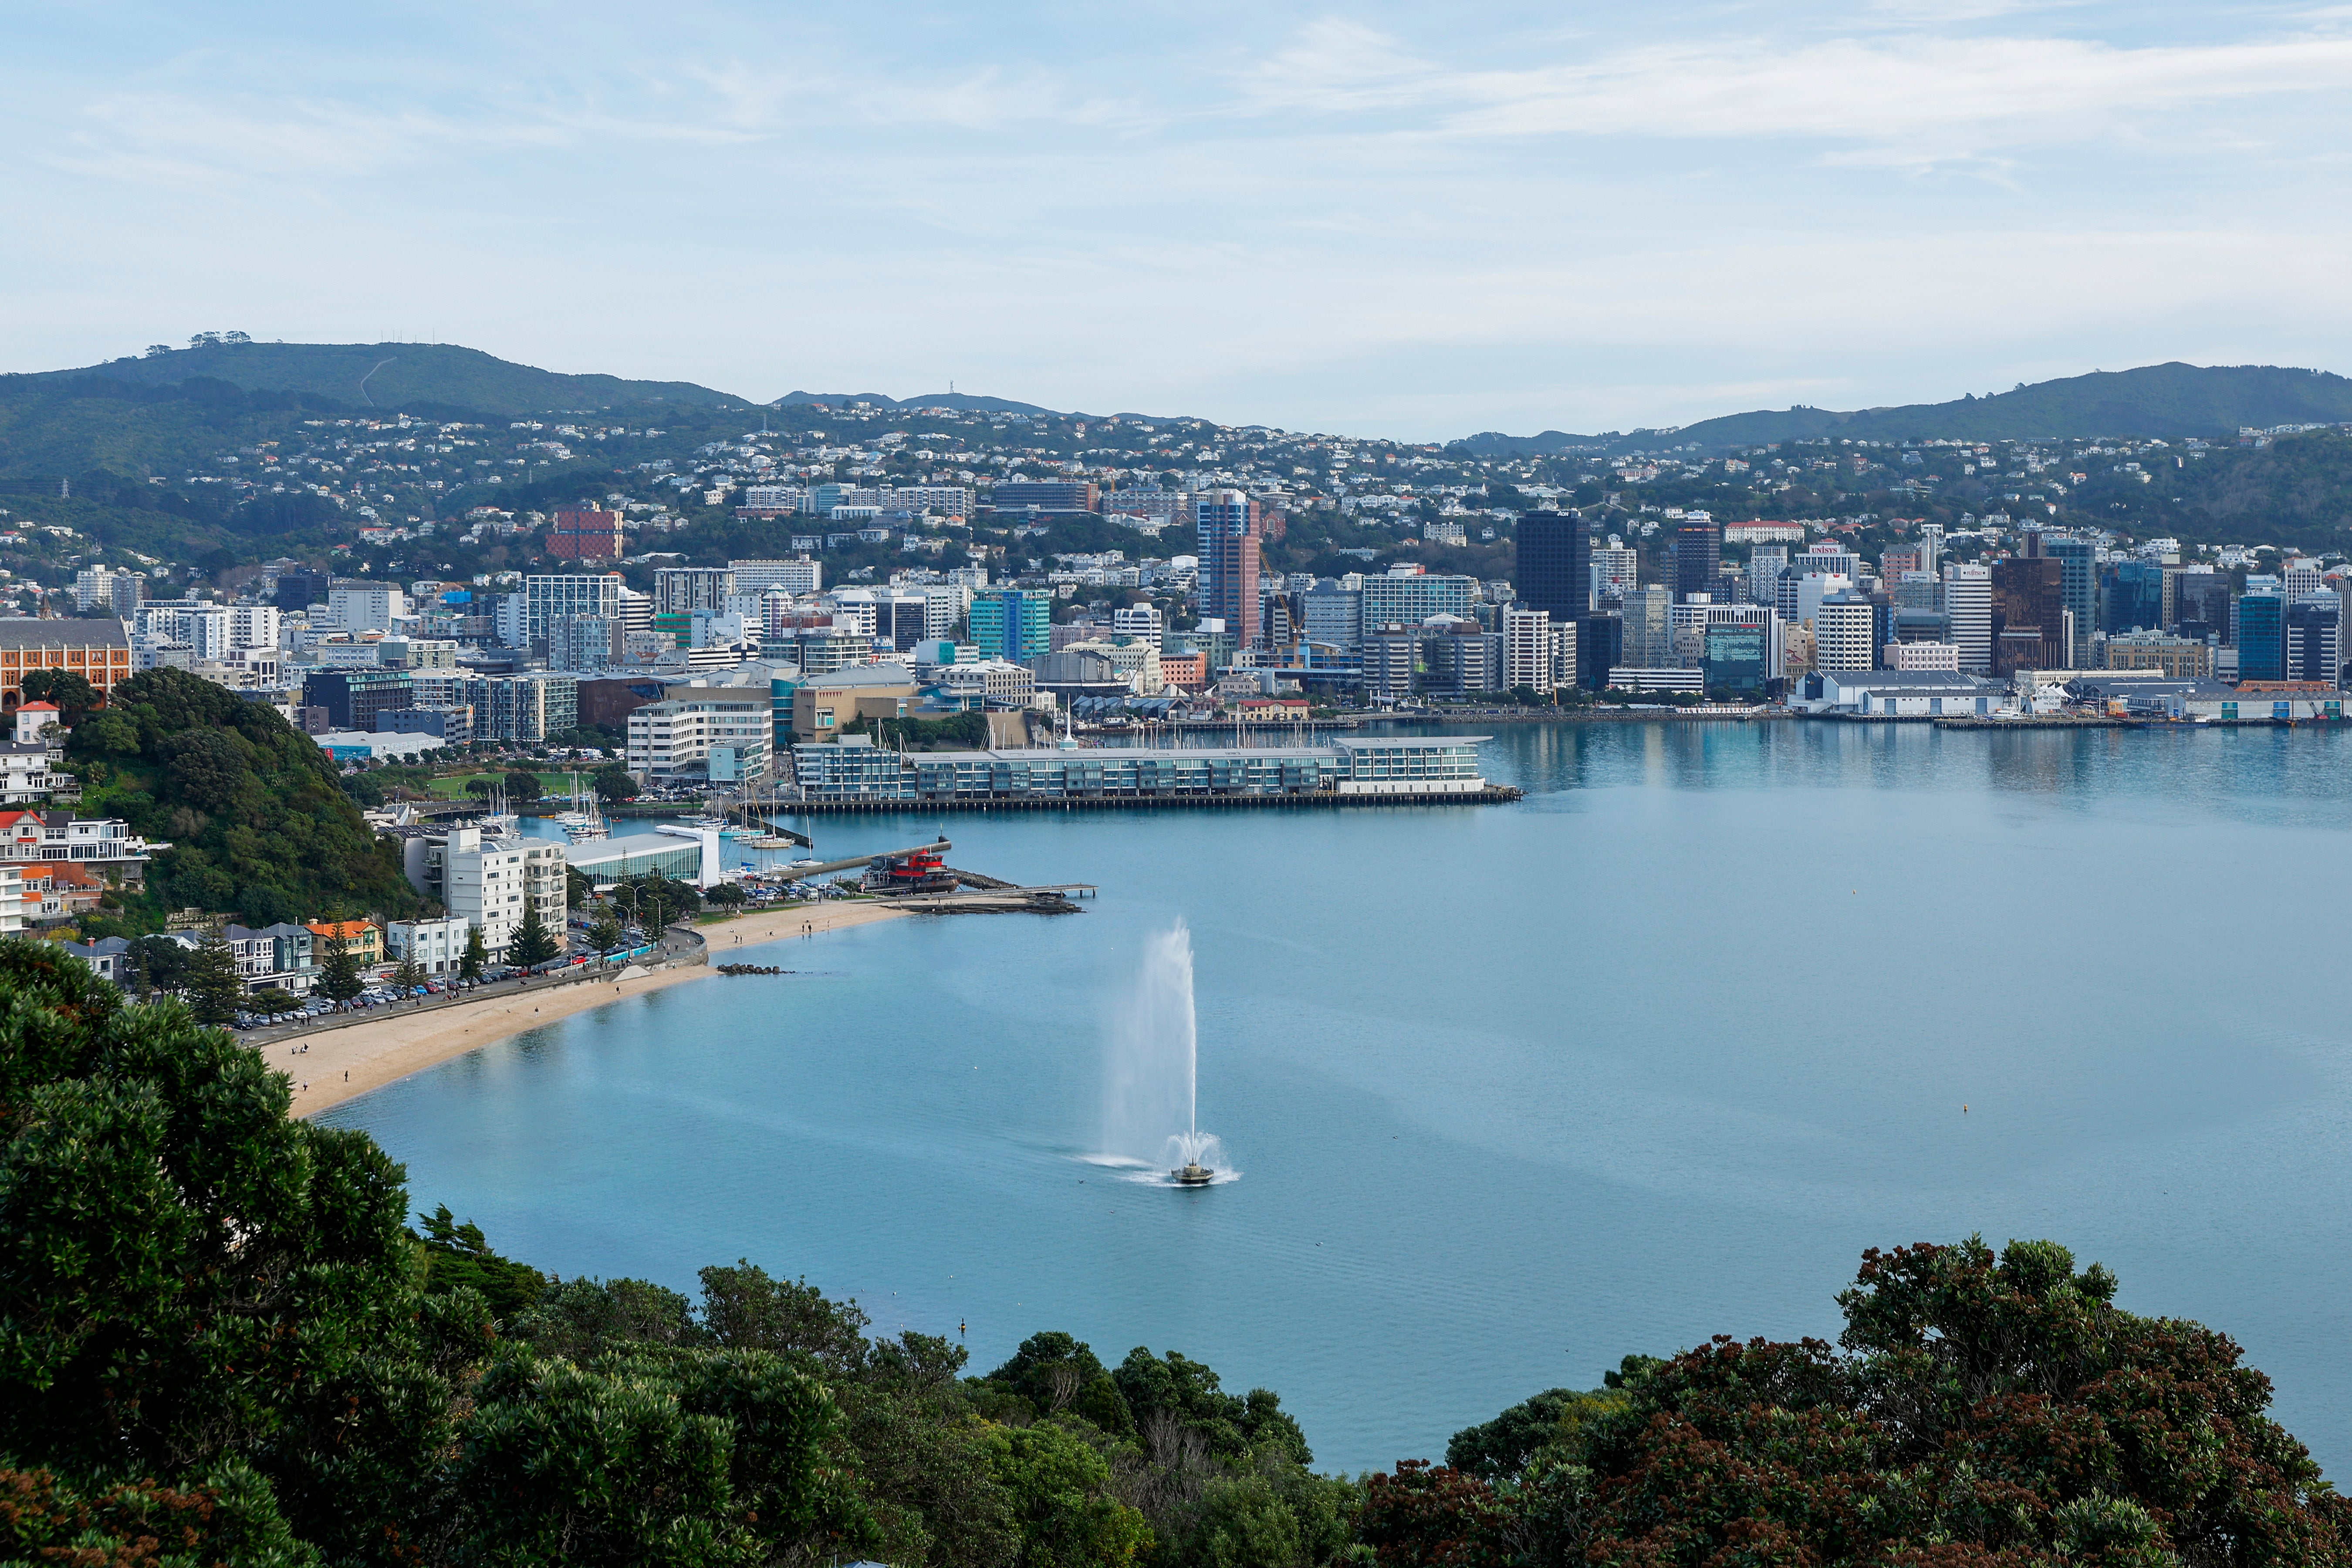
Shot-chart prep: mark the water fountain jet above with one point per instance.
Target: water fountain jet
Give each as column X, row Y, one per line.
column 1153, row 1079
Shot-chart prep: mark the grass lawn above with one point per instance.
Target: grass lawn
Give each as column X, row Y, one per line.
column 453, row 787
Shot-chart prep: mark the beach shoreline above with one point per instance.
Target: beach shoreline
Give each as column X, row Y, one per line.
column 336, row 1065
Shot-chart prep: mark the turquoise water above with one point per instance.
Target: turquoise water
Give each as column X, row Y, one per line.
column 1516, row 1090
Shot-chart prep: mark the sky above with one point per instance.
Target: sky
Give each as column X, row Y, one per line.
column 1417, row 221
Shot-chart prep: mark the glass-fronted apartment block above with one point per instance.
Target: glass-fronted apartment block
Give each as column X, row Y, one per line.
column 855, row 770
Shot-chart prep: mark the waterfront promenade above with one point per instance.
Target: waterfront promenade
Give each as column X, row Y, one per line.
column 332, row 1063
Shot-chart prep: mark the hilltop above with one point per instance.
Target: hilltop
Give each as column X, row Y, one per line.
column 2169, row 400
column 393, row 375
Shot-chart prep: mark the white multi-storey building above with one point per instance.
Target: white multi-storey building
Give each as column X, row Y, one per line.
column 366, row 606
column 1967, row 599
column 719, row 735
column 1923, row 656
column 1842, row 639
column 255, row 625
column 797, row 576
column 439, row 946
column 490, row 883
column 553, row 597
column 1529, row 657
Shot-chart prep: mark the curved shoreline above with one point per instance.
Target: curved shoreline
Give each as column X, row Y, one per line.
column 337, row 1064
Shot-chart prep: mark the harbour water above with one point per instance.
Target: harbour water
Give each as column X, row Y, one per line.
column 1515, row 1091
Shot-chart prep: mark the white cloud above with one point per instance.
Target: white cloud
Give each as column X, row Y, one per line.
column 1842, row 88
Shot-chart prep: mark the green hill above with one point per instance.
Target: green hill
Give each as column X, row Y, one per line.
column 395, row 375
column 2168, row 400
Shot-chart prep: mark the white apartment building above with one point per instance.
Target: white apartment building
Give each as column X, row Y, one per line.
column 1842, row 627
column 947, row 500
column 555, row 596
column 366, row 606
column 797, row 576
column 682, row 590
column 1530, row 655
column 1967, row 599
column 439, row 946
column 255, row 625
column 490, row 883
column 715, row 734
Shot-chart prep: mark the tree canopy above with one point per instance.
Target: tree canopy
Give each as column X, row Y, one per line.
column 250, row 806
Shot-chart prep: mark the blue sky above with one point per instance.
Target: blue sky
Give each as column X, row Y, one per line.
column 1410, row 220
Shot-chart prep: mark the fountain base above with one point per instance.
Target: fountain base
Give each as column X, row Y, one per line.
column 1192, row 1175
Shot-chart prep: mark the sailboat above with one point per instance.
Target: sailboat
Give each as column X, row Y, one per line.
column 584, row 822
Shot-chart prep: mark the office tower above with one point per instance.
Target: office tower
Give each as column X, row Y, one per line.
column 2200, row 605
column 1846, row 633
column 2132, row 597
column 2078, row 591
column 1011, row 624
column 1648, row 618
column 1827, row 559
column 682, row 590
column 2301, row 576
column 2314, row 643
column 554, row 597
column 1738, row 661
column 2028, row 613
column 1227, row 527
column 2262, row 635
column 1967, row 599
column 1916, row 591
column 1600, row 647
column 1764, row 562
column 1551, row 567
column 1329, row 615
column 1699, row 555
column 1529, row 656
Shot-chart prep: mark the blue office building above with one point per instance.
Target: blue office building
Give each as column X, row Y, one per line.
column 1012, row 624
column 2261, row 636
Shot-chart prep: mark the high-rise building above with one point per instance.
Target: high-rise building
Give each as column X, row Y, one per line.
column 1616, row 572
column 2200, row 605
column 682, row 590
column 1737, row 661
column 1552, row 565
column 1599, row 648
column 1916, row 591
column 1226, row 523
column 2131, row 597
column 1012, row 624
column 1845, row 633
column 1648, row 616
column 1328, row 614
column 797, row 576
column 2078, row 591
column 1414, row 596
column 1765, row 564
column 488, row 885
column 1698, row 557
column 1967, row 599
column 549, row 598
column 2262, row 635
column 1529, row 656
column 1391, row 651
column 2028, row 613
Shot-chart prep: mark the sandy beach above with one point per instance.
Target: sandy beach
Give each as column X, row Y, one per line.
column 339, row 1063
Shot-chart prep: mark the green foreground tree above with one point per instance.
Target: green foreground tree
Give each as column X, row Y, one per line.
column 476, row 957
column 532, row 943
column 339, row 971
column 213, row 984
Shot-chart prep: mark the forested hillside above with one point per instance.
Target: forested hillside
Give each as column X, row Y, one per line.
column 2168, row 400
column 394, row 376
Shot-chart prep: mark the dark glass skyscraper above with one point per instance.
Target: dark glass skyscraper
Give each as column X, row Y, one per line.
column 1553, row 567
column 1600, row 647
column 2262, row 637
column 2078, row 590
column 1699, row 555
column 2133, row 598
column 2029, row 614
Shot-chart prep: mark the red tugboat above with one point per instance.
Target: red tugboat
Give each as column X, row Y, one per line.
column 918, row 871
